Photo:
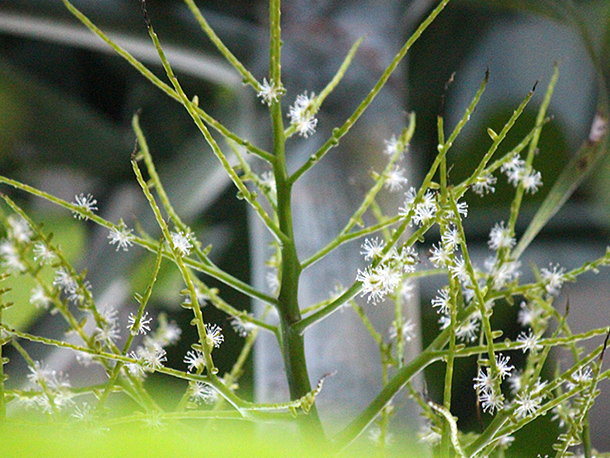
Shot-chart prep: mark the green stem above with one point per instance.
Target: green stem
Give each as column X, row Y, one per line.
column 164, row 87
column 339, row 132
column 2, row 378
column 291, row 341
column 208, row 268
column 395, row 384
column 234, row 61
column 533, row 146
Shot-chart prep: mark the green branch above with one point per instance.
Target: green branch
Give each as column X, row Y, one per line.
column 339, row 132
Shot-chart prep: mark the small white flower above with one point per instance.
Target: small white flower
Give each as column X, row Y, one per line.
column 491, row 401
column 152, row 357
column 441, row 301
column 39, row 298
column 462, row 208
column 302, row 116
column 270, row 92
column 241, row 327
column 484, row 184
column 371, row 285
column 514, row 169
column 268, row 179
column 64, row 280
column 378, row 282
column 391, row 146
column 395, row 179
column 531, row 181
column 514, row 381
column 440, row 256
column 506, row 272
column 425, row 210
column 142, row 327
column 500, row 237
column 201, row 297
column 444, row 321
column 135, row 369
column 194, row 360
column 84, row 359
column 167, row 333
column 553, row 278
column 372, row 248
column 202, row 392
column 19, row 229
column 86, row 204
column 459, row 270
column 582, row 376
column 181, row 242
column 84, row 413
column 408, row 331
column 503, row 367
column 408, row 202
column 154, row 420
column 40, row 374
column 214, row 335
column 406, row 290
column 405, row 258
column 122, row 236
column 108, row 328
column 526, row 404
column 80, row 292
column 529, row 342
column 539, row 386
column 43, row 253
column 468, row 330
column 525, row 315
column 483, row 381
column 10, row 256
column 451, row 238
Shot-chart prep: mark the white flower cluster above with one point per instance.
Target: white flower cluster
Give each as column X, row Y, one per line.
column 424, row 211
column 182, row 242
column 202, row 392
column 151, row 355
column 387, row 275
column 75, row 289
column 52, row 391
column 519, row 173
column 302, row 115
column 486, row 382
column 19, row 234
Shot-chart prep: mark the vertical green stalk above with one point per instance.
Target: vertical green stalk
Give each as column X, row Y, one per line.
column 533, row 146
column 2, row 377
column 450, row 361
column 3, row 276
column 291, row 341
